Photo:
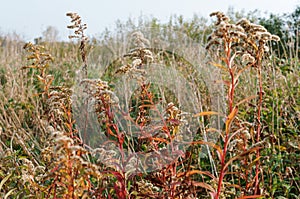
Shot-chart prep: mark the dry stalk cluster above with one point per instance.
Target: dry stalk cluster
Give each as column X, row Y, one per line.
column 42, row 148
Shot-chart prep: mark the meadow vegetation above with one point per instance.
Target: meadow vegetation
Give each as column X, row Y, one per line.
column 184, row 109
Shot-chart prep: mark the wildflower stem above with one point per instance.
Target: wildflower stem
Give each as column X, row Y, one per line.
column 258, row 131
column 230, row 102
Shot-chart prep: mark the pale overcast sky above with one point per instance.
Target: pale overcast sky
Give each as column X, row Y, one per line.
column 30, row 18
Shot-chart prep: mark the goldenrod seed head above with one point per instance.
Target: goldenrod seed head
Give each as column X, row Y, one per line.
column 275, row 38
column 246, row 58
column 214, row 14
column 266, row 35
column 258, row 28
column 136, row 63
column 266, row 48
column 246, row 134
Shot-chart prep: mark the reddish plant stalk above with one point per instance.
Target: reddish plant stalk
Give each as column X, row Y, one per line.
column 256, row 190
column 230, row 102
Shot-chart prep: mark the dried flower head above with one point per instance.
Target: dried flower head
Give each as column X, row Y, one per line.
column 244, row 36
column 139, row 41
column 247, row 58
column 139, row 56
column 221, row 17
column 79, row 29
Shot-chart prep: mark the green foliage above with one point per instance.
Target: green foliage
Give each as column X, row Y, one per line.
column 286, row 26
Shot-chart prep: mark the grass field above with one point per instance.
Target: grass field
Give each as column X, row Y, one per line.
column 177, row 110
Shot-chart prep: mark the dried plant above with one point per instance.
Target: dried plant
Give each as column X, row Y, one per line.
column 239, row 46
column 79, row 29
column 46, row 151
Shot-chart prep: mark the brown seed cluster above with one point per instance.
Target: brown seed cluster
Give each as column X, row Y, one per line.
column 76, row 25
column 139, row 56
column 244, row 38
column 79, row 29
column 99, row 96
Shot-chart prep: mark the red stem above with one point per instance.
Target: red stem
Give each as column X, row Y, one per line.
column 256, row 190
column 230, row 101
